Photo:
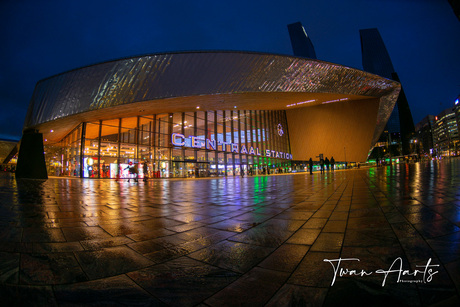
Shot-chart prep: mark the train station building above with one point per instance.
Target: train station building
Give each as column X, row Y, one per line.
column 202, row 114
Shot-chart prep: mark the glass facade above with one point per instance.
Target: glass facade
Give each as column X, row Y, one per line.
column 188, row 144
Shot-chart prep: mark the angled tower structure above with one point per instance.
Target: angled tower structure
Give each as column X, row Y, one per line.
column 376, row 60
column 301, row 43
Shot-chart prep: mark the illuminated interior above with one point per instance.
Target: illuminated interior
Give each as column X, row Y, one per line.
column 112, row 147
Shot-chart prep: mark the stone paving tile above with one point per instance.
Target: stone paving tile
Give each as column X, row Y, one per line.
column 162, row 253
column 440, row 290
column 335, row 226
column 55, row 268
column 103, row 242
column 111, row 261
column 416, row 249
column 26, row 295
column 369, row 292
column 147, row 246
column 372, row 258
column 436, row 228
column 270, row 234
column 36, row 234
column 446, row 247
column 285, row 258
column 112, row 291
column 146, row 234
column 261, row 281
column 233, row 225
column 9, row 267
column 315, row 223
column 328, row 242
column 235, row 256
column 370, row 237
column 293, row 295
column 453, row 269
column 313, row 271
column 367, row 222
column 97, row 244
column 338, row 216
column 84, row 233
column 183, row 281
column 63, row 247
column 295, row 215
column 186, row 226
column 394, row 217
column 263, row 236
column 304, row 236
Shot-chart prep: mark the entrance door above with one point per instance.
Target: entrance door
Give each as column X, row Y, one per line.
column 203, row 169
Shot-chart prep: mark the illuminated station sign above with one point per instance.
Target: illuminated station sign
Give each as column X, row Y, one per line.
column 180, row 140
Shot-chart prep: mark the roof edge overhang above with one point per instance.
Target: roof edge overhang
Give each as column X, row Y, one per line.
column 179, row 77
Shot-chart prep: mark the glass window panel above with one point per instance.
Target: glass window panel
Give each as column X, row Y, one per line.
column 189, row 154
column 109, row 150
column 164, row 140
column 201, row 156
column 210, row 116
column 200, row 122
column 129, row 122
column 145, row 123
column 144, row 137
column 178, row 154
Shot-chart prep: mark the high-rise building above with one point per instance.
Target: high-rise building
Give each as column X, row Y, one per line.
column 376, row 60
column 457, row 110
column 406, row 123
column 301, row 43
column 424, row 131
column 445, row 133
column 375, row 55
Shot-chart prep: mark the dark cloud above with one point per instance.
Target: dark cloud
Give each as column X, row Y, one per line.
column 43, row 38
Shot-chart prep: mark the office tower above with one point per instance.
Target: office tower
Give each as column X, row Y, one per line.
column 455, row 7
column 376, row 60
column 457, row 111
column 406, row 123
column 301, row 43
column 445, row 133
column 424, row 131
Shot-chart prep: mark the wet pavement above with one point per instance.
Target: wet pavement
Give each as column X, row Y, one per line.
column 386, row 236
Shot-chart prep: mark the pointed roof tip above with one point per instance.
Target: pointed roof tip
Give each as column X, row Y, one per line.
column 294, row 23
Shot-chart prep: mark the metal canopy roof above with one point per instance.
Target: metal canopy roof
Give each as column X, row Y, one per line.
column 179, row 82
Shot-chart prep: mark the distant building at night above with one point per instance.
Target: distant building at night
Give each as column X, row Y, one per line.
column 375, row 59
column 7, row 151
column 424, row 132
column 457, row 110
column 445, row 133
column 301, row 43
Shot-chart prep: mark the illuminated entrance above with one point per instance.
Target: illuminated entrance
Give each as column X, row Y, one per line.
column 191, row 144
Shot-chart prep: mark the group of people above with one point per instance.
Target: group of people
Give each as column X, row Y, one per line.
column 323, row 163
column 134, row 171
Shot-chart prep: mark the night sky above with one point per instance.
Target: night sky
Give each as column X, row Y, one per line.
column 43, row 38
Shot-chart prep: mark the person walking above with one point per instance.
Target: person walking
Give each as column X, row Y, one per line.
column 136, row 172
column 132, row 169
column 321, row 164
column 326, row 161
column 332, row 163
column 145, row 170
column 310, row 164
